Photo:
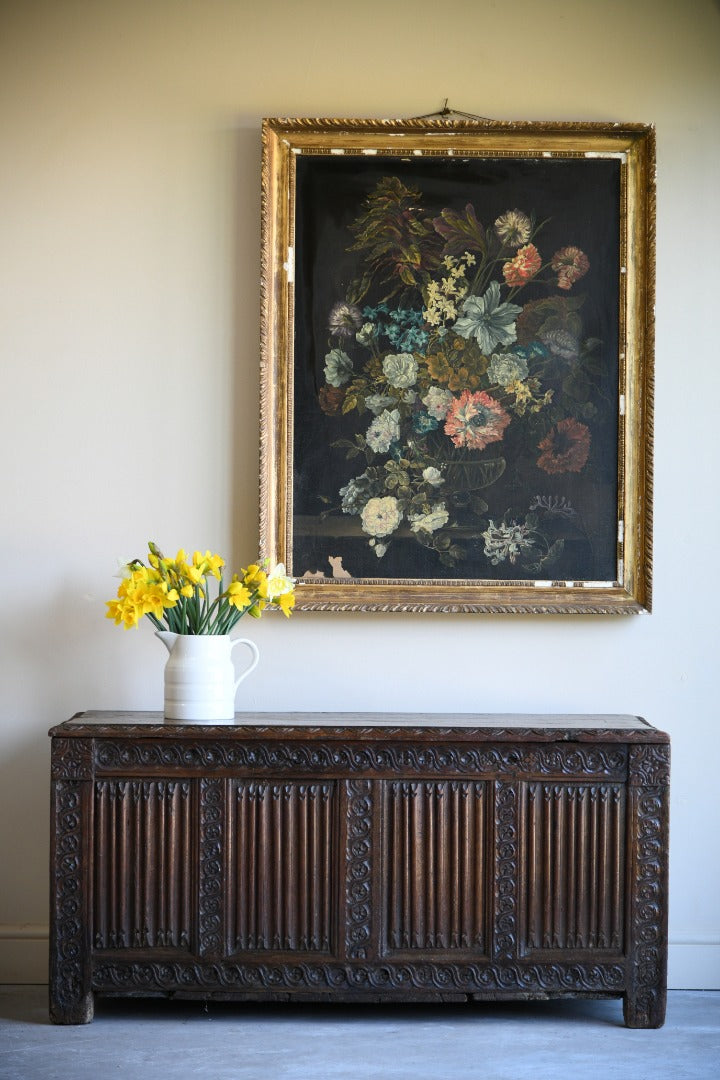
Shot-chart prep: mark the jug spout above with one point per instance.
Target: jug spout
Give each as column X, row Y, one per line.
column 168, row 638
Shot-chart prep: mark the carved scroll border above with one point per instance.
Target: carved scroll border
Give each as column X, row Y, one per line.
column 572, row 760
column 440, row 978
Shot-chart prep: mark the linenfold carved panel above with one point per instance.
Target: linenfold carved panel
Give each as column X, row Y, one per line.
column 142, row 883
column 283, row 865
column 575, row 844
column 435, row 865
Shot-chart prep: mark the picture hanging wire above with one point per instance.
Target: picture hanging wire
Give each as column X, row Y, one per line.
column 446, row 113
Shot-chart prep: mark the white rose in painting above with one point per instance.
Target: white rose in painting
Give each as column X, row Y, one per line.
column 507, row 368
column 431, row 521
column 400, row 370
column 381, row 516
column 433, row 476
column 437, row 402
column 377, row 402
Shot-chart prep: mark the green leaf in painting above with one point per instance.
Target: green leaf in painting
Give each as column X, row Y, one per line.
column 358, row 289
column 554, row 313
column 399, row 245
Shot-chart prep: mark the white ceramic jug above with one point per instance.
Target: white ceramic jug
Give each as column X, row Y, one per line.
column 200, row 679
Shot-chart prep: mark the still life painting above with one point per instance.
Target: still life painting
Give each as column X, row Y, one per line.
column 456, row 338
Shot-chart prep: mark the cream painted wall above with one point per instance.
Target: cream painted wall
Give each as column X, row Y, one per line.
column 129, row 233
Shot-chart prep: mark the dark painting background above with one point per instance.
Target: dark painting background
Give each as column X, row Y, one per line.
column 581, row 198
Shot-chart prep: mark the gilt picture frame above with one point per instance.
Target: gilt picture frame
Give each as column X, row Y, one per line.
column 457, row 364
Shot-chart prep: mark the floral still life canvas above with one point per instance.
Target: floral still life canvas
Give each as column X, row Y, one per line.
column 458, row 333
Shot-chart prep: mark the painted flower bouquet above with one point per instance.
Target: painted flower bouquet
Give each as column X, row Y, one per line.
column 175, row 594
column 470, row 365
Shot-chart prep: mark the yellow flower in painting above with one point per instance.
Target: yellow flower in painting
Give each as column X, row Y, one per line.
column 187, row 590
column 439, row 368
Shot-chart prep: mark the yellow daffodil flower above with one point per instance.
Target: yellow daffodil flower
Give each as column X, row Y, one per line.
column 156, row 590
column 238, row 595
column 278, row 583
column 286, row 602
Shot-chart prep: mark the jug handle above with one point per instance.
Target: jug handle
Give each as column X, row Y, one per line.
column 255, row 657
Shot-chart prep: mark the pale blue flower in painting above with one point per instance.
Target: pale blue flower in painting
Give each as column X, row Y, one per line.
column 377, row 402
column 384, row 430
column 338, row 368
column 353, row 495
column 423, row 423
column 357, row 491
column 403, row 328
column 488, row 320
column 507, row 368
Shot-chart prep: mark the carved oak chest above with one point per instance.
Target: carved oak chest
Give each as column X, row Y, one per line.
column 359, row 857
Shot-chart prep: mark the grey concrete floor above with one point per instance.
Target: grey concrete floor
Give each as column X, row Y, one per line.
column 144, row 1040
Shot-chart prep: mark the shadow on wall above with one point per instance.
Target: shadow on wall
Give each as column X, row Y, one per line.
column 245, row 377
column 24, row 855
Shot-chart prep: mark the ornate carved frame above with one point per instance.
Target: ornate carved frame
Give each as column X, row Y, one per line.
column 633, row 145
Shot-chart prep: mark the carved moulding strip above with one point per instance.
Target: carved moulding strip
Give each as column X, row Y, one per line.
column 115, row 977
column 212, row 839
column 647, row 973
column 70, row 996
column 358, row 875
column 505, row 939
column 607, row 761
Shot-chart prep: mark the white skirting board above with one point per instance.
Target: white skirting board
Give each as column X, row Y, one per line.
column 693, row 957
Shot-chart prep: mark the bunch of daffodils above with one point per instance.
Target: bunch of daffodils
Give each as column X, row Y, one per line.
column 175, row 594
